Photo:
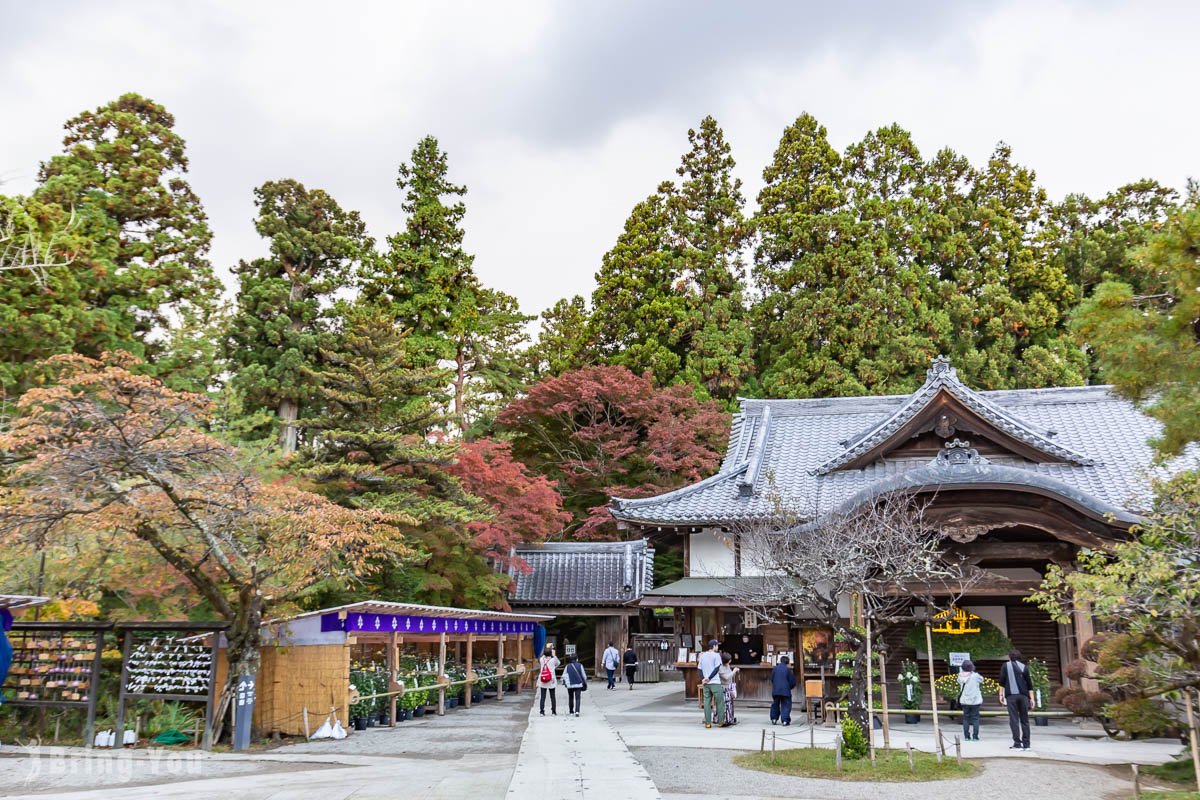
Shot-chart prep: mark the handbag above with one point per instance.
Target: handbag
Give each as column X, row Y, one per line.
column 733, row 691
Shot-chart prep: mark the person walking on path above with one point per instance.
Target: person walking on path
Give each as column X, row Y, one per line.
column 970, row 698
column 712, row 693
column 728, row 674
column 631, row 665
column 1016, row 693
column 611, row 661
column 783, row 680
column 546, row 680
column 575, row 679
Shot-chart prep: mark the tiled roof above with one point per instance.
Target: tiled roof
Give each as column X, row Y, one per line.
column 1096, row 440
column 584, row 573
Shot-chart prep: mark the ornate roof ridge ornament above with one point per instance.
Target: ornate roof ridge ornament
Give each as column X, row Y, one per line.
column 957, row 453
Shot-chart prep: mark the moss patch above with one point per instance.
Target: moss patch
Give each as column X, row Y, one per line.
column 819, row 763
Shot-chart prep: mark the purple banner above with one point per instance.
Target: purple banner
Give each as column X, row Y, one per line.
column 404, row 623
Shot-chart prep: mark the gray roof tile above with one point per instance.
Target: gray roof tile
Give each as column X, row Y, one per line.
column 584, row 573
column 1099, row 439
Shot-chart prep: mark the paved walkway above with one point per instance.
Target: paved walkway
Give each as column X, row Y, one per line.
column 577, row 757
column 655, row 715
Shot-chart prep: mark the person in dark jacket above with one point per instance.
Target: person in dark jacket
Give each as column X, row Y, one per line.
column 1016, row 693
column 575, row 679
column 783, row 680
column 631, row 665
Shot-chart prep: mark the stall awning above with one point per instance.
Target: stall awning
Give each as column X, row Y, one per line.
column 15, row 601
column 378, row 616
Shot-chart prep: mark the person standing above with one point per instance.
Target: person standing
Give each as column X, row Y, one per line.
column 1016, row 694
column 712, row 693
column 728, row 675
column 546, row 680
column 575, row 679
column 631, row 665
column 970, row 698
column 611, row 661
column 783, row 681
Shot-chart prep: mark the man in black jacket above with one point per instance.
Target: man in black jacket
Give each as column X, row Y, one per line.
column 1016, row 692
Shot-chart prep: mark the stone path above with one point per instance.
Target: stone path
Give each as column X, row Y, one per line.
column 577, row 757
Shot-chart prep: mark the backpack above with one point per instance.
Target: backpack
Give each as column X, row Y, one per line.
column 547, row 676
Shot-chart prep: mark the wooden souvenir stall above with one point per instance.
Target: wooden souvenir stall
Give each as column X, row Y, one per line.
column 306, row 659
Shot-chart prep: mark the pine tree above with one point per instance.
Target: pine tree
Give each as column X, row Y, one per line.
column 564, row 341
column 128, row 237
column 429, row 284
column 283, row 317
column 669, row 295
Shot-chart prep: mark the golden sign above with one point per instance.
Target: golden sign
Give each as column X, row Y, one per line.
column 955, row 621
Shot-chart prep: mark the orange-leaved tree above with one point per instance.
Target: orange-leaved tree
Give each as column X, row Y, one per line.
column 102, row 451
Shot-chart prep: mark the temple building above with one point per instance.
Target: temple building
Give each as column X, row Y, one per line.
column 1017, row 480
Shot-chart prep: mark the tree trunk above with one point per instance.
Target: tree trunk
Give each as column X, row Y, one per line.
column 856, row 705
column 460, row 380
column 243, row 638
column 289, row 411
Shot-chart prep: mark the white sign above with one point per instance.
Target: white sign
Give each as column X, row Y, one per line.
column 570, row 649
column 957, row 659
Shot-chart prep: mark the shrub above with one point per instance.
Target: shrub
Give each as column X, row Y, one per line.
column 1076, row 670
column 854, row 741
column 1090, row 650
column 1139, row 716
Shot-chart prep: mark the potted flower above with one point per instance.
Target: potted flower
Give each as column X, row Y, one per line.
column 362, row 710
column 1040, row 677
column 910, row 691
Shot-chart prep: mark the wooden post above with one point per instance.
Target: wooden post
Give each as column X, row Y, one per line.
column 210, row 721
column 811, row 736
column 441, row 675
column 773, row 747
column 500, row 662
column 762, row 745
column 870, row 696
column 912, row 770
column 1137, row 783
column 1187, row 696
column 391, row 667
column 838, row 752
column 306, row 723
column 470, row 686
column 121, row 693
column 887, row 743
column 937, row 731
column 520, row 658
column 958, row 749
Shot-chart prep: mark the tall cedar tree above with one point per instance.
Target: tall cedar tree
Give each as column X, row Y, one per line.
column 429, row 283
column 603, row 431
column 283, row 312
column 871, row 262
column 669, row 295
column 1148, row 344
column 136, row 244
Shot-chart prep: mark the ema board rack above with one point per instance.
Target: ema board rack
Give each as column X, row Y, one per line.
column 56, row 665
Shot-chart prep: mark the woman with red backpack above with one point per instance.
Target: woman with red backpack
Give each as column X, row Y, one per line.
column 546, row 680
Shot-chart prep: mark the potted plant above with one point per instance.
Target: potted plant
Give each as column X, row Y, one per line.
column 361, row 712
column 1040, row 677
column 910, row 691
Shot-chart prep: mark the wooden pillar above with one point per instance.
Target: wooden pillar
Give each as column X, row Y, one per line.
column 520, row 658
column 392, row 664
column 441, row 675
column 933, row 700
column 500, row 662
column 470, row 666
column 1084, row 630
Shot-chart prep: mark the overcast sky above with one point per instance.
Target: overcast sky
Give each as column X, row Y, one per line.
column 559, row 117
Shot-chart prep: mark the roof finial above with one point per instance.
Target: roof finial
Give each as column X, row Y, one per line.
column 940, row 366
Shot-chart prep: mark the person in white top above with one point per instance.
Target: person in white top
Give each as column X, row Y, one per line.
column 970, row 698
column 611, row 661
column 711, row 690
column 546, row 680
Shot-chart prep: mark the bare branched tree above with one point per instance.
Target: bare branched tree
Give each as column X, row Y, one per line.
column 885, row 552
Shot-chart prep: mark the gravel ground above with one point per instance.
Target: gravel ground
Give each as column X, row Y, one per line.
column 489, row 727
column 683, row 773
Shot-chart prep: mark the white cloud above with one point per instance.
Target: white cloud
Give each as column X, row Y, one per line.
column 559, row 117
